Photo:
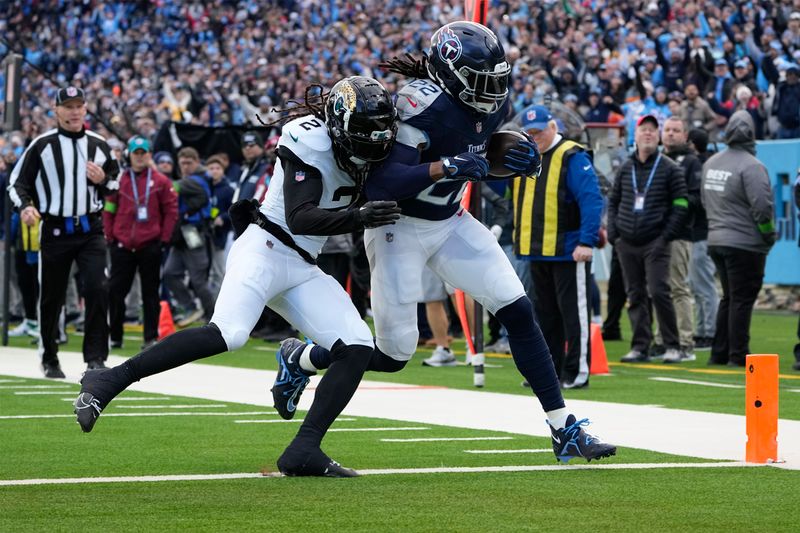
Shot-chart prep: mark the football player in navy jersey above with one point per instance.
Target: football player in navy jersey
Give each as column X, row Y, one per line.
column 447, row 114
column 316, row 191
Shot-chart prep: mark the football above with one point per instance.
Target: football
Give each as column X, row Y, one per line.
column 499, row 144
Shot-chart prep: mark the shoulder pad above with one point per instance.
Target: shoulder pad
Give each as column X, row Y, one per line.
column 305, row 134
column 416, row 97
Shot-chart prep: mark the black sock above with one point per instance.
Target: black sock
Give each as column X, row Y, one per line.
column 333, row 392
column 530, row 352
column 320, row 357
column 176, row 350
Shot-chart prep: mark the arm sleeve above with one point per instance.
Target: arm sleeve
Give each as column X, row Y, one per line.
column 22, row 184
column 400, row 177
column 755, row 181
column 582, row 182
column 301, row 201
column 679, row 208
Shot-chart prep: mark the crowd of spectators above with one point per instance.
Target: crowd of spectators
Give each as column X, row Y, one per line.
column 223, row 62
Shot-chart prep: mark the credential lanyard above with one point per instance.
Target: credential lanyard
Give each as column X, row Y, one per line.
column 649, row 179
column 146, row 190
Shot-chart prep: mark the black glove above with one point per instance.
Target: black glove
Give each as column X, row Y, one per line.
column 242, row 214
column 466, row 166
column 524, row 160
column 379, row 213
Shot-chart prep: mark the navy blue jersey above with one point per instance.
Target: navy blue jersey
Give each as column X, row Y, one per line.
column 438, row 126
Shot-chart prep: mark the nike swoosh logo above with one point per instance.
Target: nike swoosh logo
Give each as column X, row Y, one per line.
column 411, row 102
column 459, row 158
column 587, row 167
column 558, row 440
column 290, row 359
column 293, row 137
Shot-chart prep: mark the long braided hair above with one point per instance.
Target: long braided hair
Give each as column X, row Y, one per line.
column 313, row 103
column 408, row 66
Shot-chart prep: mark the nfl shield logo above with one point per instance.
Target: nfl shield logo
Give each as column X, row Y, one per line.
column 389, row 237
column 72, row 91
column 270, row 244
column 479, row 127
column 299, row 175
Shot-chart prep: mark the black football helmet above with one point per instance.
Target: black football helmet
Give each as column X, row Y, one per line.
column 467, row 60
column 362, row 122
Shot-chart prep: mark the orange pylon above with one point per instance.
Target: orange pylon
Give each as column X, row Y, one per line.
column 761, row 408
column 166, row 326
column 599, row 363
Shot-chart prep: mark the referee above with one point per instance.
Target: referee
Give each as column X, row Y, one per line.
column 59, row 182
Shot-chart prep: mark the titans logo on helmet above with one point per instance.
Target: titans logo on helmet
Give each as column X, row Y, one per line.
column 449, row 45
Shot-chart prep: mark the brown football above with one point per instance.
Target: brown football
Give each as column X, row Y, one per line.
column 499, row 144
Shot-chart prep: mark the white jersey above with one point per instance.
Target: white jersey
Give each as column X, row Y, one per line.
column 307, row 138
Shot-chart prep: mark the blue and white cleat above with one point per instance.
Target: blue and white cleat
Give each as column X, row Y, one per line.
column 572, row 442
column 291, row 379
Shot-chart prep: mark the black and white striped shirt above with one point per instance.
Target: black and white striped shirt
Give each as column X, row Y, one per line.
column 51, row 174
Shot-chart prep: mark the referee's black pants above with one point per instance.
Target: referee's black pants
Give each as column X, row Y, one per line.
column 58, row 251
column 563, row 300
column 124, row 264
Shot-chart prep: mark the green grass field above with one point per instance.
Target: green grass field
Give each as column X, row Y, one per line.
column 668, row 499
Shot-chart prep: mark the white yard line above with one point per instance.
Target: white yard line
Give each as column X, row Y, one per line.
column 128, row 399
column 20, row 387
column 379, row 429
column 529, row 450
column 168, row 406
column 51, row 392
column 282, row 421
column 703, row 383
column 706, row 435
column 105, row 415
column 446, row 439
column 12, row 381
column 384, row 471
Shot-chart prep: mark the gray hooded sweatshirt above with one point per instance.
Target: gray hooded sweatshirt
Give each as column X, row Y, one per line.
column 736, row 192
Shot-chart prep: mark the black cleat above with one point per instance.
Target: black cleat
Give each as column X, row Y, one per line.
column 572, row 441
column 53, row 370
column 91, row 400
column 314, row 462
column 291, row 379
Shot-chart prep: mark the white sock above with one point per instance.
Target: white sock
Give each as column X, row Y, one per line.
column 556, row 417
column 445, row 348
column 305, row 359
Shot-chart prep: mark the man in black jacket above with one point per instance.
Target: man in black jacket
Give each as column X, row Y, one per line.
column 675, row 138
column 647, row 209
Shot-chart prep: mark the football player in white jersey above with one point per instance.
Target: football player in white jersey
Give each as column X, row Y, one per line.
column 323, row 160
column 447, row 114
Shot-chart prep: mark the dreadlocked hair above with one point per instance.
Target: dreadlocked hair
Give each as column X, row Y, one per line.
column 408, row 66
column 311, row 103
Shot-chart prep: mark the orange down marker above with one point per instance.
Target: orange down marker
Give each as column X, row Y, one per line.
column 761, row 408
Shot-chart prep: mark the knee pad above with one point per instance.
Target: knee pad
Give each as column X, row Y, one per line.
column 234, row 337
column 380, row 362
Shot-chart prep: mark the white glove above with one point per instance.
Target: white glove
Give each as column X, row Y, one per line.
column 496, row 231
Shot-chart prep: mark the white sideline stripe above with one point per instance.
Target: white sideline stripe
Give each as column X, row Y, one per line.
column 20, row 393
column 379, row 429
column 446, row 439
column 124, row 399
column 16, row 387
column 439, row 470
column 12, row 381
column 793, row 390
column 703, row 383
column 528, row 450
column 168, row 406
column 188, row 413
column 282, row 421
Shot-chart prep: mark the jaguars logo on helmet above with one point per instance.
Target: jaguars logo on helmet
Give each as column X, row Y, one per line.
column 361, row 120
column 468, row 62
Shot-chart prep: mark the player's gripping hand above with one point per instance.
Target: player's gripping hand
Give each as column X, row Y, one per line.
column 379, row 213
column 525, row 160
column 466, row 166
